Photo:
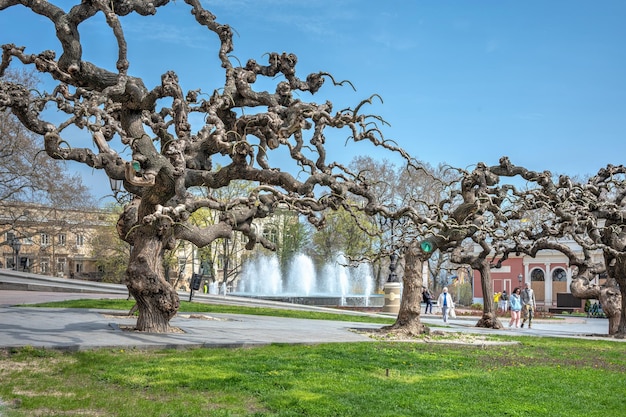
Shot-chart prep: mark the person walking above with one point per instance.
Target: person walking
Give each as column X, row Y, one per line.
column 427, row 297
column 528, row 305
column 445, row 303
column 516, row 307
column 503, row 304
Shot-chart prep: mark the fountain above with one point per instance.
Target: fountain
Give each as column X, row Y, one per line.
column 336, row 285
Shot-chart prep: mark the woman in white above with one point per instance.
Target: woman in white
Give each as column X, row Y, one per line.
column 445, row 303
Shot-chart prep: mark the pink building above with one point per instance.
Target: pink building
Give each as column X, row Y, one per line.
column 548, row 273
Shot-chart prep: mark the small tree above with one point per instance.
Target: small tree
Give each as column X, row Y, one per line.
column 110, row 251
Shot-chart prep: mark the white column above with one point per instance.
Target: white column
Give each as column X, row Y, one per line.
column 548, row 286
column 526, row 275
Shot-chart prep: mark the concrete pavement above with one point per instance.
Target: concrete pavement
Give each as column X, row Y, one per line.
column 77, row 329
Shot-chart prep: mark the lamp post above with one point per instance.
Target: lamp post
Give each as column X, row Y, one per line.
column 393, row 256
column 392, row 288
column 225, row 264
column 16, row 245
column 520, row 277
column 116, row 185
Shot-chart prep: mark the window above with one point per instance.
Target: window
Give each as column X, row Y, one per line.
column 79, row 267
column 537, row 275
column 271, row 234
column 61, row 239
column 44, row 265
column 44, row 239
column 61, row 262
column 80, row 241
column 559, row 275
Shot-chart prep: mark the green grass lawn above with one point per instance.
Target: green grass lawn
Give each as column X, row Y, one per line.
column 536, row 377
column 195, row 307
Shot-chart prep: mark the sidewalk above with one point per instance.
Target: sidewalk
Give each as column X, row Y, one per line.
column 77, row 329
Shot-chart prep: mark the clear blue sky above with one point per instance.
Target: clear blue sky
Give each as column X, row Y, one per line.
column 543, row 82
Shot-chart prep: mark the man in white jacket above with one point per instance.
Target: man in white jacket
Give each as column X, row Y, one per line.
column 445, row 303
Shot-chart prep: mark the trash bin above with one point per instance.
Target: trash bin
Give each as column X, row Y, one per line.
column 393, row 296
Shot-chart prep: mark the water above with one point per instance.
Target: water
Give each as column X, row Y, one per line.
column 261, row 277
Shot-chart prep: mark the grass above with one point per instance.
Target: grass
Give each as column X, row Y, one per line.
column 535, row 377
column 193, row 307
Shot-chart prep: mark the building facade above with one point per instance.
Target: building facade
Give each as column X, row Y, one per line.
column 50, row 241
column 548, row 273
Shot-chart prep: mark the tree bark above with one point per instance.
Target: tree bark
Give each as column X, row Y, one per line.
column 489, row 318
column 608, row 295
column 145, row 279
column 408, row 321
column 613, row 297
column 157, row 301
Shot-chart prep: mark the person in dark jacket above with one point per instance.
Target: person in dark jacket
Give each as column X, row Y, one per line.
column 428, row 299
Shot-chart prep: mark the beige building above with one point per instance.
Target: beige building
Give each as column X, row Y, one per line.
column 50, row 241
column 59, row 242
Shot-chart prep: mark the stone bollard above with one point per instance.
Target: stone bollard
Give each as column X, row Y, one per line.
column 393, row 296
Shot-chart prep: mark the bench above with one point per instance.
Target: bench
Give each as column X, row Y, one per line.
column 559, row 310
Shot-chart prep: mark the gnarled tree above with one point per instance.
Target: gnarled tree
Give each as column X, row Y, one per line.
column 592, row 215
column 169, row 156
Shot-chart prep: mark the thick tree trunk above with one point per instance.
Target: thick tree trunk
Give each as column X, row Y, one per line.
column 145, row 278
column 489, row 318
column 608, row 295
column 408, row 321
column 614, row 296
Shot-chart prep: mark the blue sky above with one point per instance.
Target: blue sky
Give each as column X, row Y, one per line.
column 543, row 82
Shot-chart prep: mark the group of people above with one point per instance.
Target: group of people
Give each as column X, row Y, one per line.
column 521, row 304
column 444, row 302
column 501, row 299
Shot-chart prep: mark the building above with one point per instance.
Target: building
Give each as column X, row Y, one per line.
column 220, row 263
column 549, row 274
column 60, row 242
column 50, row 241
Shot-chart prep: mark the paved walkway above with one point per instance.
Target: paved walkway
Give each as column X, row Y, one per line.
column 77, row 329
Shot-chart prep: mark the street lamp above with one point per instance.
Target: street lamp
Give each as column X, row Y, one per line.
column 225, row 264
column 16, row 245
column 520, row 277
column 116, row 185
column 393, row 256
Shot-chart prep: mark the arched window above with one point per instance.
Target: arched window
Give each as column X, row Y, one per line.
column 271, row 233
column 559, row 275
column 537, row 275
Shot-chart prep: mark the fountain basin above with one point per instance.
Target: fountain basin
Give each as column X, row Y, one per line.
column 373, row 301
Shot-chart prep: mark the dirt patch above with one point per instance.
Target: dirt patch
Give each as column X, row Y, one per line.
column 131, row 328
column 434, row 336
